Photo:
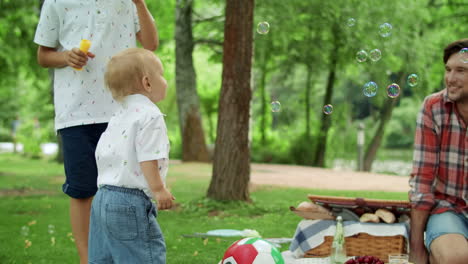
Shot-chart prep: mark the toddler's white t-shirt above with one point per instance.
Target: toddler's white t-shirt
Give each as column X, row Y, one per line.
column 137, row 132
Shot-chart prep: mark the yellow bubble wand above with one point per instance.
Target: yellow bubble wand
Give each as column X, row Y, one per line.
column 84, row 47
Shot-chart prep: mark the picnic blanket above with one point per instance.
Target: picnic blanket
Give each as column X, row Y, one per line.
column 311, row 233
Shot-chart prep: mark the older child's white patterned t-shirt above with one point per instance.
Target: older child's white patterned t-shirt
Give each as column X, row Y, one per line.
column 135, row 133
column 80, row 97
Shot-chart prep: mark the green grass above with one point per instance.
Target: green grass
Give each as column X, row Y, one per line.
column 31, row 197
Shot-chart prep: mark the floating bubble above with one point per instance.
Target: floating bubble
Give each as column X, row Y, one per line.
column 464, row 55
column 51, row 229
column 370, row 89
column 24, row 231
column 413, row 80
column 328, row 109
column 361, row 56
column 275, row 106
column 393, row 90
column 375, row 54
column 385, row 30
column 263, row 28
column 351, row 22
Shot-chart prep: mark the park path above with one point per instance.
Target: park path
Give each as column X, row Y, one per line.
column 319, row 178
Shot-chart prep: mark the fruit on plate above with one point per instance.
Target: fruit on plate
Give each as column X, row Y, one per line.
column 364, row 260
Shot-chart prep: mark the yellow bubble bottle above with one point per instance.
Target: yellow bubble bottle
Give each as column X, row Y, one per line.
column 84, row 47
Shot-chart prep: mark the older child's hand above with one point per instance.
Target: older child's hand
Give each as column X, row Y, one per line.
column 76, row 58
column 164, row 198
column 138, row 2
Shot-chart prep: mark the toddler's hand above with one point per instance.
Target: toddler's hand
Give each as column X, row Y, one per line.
column 76, row 58
column 164, row 198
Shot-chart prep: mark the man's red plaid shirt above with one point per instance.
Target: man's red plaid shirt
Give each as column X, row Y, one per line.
column 439, row 178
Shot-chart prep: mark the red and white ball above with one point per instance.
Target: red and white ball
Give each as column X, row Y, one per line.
column 252, row 250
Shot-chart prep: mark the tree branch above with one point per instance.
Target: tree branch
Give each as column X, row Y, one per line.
column 208, row 19
column 210, row 42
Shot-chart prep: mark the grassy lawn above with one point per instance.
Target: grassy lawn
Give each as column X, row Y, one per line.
column 30, row 196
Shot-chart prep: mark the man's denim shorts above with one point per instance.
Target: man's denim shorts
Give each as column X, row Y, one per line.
column 79, row 144
column 123, row 228
column 445, row 223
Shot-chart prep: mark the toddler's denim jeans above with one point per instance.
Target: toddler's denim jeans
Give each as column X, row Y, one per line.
column 123, row 228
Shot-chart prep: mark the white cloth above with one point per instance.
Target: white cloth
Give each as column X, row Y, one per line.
column 136, row 133
column 290, row 259
column 80, row 97
column 311, row 233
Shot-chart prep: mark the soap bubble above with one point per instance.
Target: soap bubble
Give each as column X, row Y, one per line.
column 393, row 90
column 275, row 106
column 351, row 22
column 263, row 28
column 385, row 30
column 413, row 80
column 464, row 55
column 375, row 54
column 51, row 229
column 24, row 230
column 370, row 89
column 328, row 109
column 361, row 56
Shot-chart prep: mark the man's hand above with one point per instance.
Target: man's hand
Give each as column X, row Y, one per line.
column 164, row 198
column 76, row 58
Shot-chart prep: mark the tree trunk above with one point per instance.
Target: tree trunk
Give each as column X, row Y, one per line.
column 371, row 151
column 193, row 139
column 231, row 163
column 308, row 89
column 320, row 149
column 263, row 97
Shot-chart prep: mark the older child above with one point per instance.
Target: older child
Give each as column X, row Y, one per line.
column 82, row 104
column 132, row 160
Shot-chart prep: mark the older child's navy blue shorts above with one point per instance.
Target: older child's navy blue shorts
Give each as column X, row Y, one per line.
column 79, row 144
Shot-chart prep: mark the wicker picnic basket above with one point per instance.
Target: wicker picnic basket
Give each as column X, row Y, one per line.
column 363, row 244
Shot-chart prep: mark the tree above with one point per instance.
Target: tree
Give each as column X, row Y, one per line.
column 193, row 138
column 231, row 168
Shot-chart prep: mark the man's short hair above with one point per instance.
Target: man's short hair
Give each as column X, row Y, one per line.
column 454, row 47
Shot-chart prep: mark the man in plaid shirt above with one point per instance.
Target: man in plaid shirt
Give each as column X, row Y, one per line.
column 439, row 180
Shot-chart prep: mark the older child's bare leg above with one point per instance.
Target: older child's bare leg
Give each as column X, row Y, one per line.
column 80, row 210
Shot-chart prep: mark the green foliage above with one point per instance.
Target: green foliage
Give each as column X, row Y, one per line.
column 400, row 131
column 300, row 36
column 31, row 135
column 274, row 150
column 302, row 150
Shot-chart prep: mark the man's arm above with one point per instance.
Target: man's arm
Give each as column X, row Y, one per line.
column 51, row 58
column 148, row 34
column 426, row 157
column 418, row 252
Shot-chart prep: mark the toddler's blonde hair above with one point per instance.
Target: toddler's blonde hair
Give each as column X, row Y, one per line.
column 125, row 71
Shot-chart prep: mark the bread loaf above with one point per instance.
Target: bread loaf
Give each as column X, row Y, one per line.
column 305, row 206
column 387, row 216
column 369, row 218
